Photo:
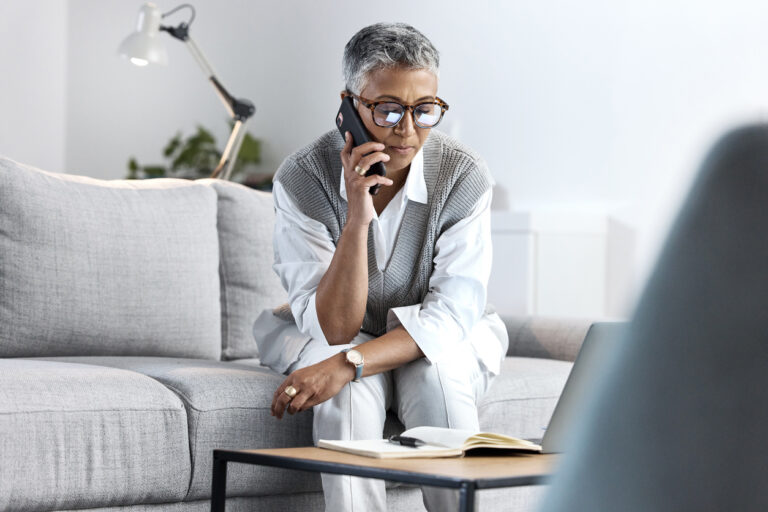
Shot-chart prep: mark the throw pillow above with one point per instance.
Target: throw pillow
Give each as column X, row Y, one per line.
column 246, row 220
column 94, row 267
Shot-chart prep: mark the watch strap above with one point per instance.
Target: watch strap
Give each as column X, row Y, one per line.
column 358, row 368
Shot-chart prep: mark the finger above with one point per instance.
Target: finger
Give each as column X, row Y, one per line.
column 298, row 402
column 347, row 160
column 348, row 157
column 367, row 161
column 364, row 149
column 347, row 145
column 280, row 391
column 314, row 400
column 374, row 179
column 281, row 404
column 282, row 387
column 273, row 409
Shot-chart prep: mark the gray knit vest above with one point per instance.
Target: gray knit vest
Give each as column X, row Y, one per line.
column 456, row 178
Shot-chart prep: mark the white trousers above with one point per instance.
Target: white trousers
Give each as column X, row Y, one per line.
column 444, row 394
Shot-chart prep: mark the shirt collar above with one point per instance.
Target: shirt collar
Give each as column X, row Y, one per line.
column 415, row 188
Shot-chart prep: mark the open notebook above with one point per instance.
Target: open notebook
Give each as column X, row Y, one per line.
column 440, row 442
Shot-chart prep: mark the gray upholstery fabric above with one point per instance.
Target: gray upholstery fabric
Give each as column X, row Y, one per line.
column 228, row 407
column 680, row 421
column 78, row 436
column 246, row 220
column 543, row 337
column 400, row 499
column 106, row 267
column 295, row 502
column 522, row 398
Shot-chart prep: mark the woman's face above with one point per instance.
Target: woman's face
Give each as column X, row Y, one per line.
column 406, row 86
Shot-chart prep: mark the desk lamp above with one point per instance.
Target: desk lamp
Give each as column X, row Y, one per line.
column 143, row 47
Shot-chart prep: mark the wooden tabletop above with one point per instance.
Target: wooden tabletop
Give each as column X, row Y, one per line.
column 476, row 468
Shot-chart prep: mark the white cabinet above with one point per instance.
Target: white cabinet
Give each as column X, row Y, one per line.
column 560, row 264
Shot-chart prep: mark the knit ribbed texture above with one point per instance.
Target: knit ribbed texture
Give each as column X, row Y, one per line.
column 456, row 178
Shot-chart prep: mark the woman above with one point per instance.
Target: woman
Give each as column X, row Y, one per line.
column 389, row 289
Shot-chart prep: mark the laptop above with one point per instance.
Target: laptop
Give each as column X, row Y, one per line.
column 595, row 353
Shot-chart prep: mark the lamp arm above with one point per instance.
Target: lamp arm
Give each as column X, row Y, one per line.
column 239, row 109
column 224, row 95
column 227, row 162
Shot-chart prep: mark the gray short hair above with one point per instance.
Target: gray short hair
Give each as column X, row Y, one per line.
column 385, row 45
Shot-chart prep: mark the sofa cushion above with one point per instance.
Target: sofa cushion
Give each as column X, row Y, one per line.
column 78, row 436
column 545, row 337
column 106, row 267
column 246, row 220
column 228, row 405
column 520, row 401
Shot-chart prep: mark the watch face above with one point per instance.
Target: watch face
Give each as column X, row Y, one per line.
column 354, row 357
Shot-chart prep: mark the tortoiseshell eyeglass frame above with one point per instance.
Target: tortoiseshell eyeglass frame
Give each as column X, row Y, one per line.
column 371, row 105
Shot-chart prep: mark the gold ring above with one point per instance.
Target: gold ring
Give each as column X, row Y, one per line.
column 290, row 391
column 359, row 170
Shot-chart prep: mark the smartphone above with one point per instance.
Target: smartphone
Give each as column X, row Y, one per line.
column 348, row 120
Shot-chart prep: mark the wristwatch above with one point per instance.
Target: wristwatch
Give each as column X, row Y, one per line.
column 355, row 358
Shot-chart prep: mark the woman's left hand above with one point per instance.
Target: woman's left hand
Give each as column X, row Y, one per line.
column 315, row 384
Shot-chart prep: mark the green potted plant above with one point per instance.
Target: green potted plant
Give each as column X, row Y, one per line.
column 197, row 155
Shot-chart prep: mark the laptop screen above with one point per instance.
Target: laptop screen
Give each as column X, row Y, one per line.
column 593, row 357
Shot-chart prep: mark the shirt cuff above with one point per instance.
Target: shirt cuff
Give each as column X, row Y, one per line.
column 308, row 323
column 425, row 329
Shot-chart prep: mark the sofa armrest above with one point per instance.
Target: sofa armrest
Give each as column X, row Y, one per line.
column 546, row 337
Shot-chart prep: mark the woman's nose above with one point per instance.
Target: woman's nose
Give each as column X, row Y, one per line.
column 406, row 126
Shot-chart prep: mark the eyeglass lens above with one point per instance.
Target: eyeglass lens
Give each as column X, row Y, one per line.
column 389, row 114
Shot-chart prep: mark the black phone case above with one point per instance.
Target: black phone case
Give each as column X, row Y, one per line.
column 348, row 120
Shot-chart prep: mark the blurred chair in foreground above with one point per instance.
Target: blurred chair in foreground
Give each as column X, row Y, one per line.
column 681, row 419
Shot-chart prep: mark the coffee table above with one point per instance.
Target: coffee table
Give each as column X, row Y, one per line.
column 467, row 474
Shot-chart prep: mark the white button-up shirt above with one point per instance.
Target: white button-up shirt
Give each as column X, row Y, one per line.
column 452, row 313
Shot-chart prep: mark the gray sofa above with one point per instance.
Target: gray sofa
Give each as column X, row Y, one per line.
column 126, row 353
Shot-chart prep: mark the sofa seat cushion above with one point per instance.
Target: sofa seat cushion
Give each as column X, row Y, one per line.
column 228, row 407
column 520, row 401
column 79, row 436
column 123, row 267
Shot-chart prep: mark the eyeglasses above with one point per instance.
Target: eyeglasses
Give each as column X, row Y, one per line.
column 388, row 113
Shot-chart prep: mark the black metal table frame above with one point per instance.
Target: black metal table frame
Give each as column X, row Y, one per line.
column 466, row 487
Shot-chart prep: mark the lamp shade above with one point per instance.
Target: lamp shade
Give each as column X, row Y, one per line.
column 143, row 46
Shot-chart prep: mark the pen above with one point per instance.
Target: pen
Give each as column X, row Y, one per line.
column 406, row 441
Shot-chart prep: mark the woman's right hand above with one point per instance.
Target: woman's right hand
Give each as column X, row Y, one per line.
column 360, row 210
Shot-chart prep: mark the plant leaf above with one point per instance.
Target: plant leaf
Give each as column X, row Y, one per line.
column 172, row 145
column 196, row 156
column 154, row 171
column 250, row 150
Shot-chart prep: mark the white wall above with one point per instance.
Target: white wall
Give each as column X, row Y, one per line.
column 33, row 42
column 597, row 106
